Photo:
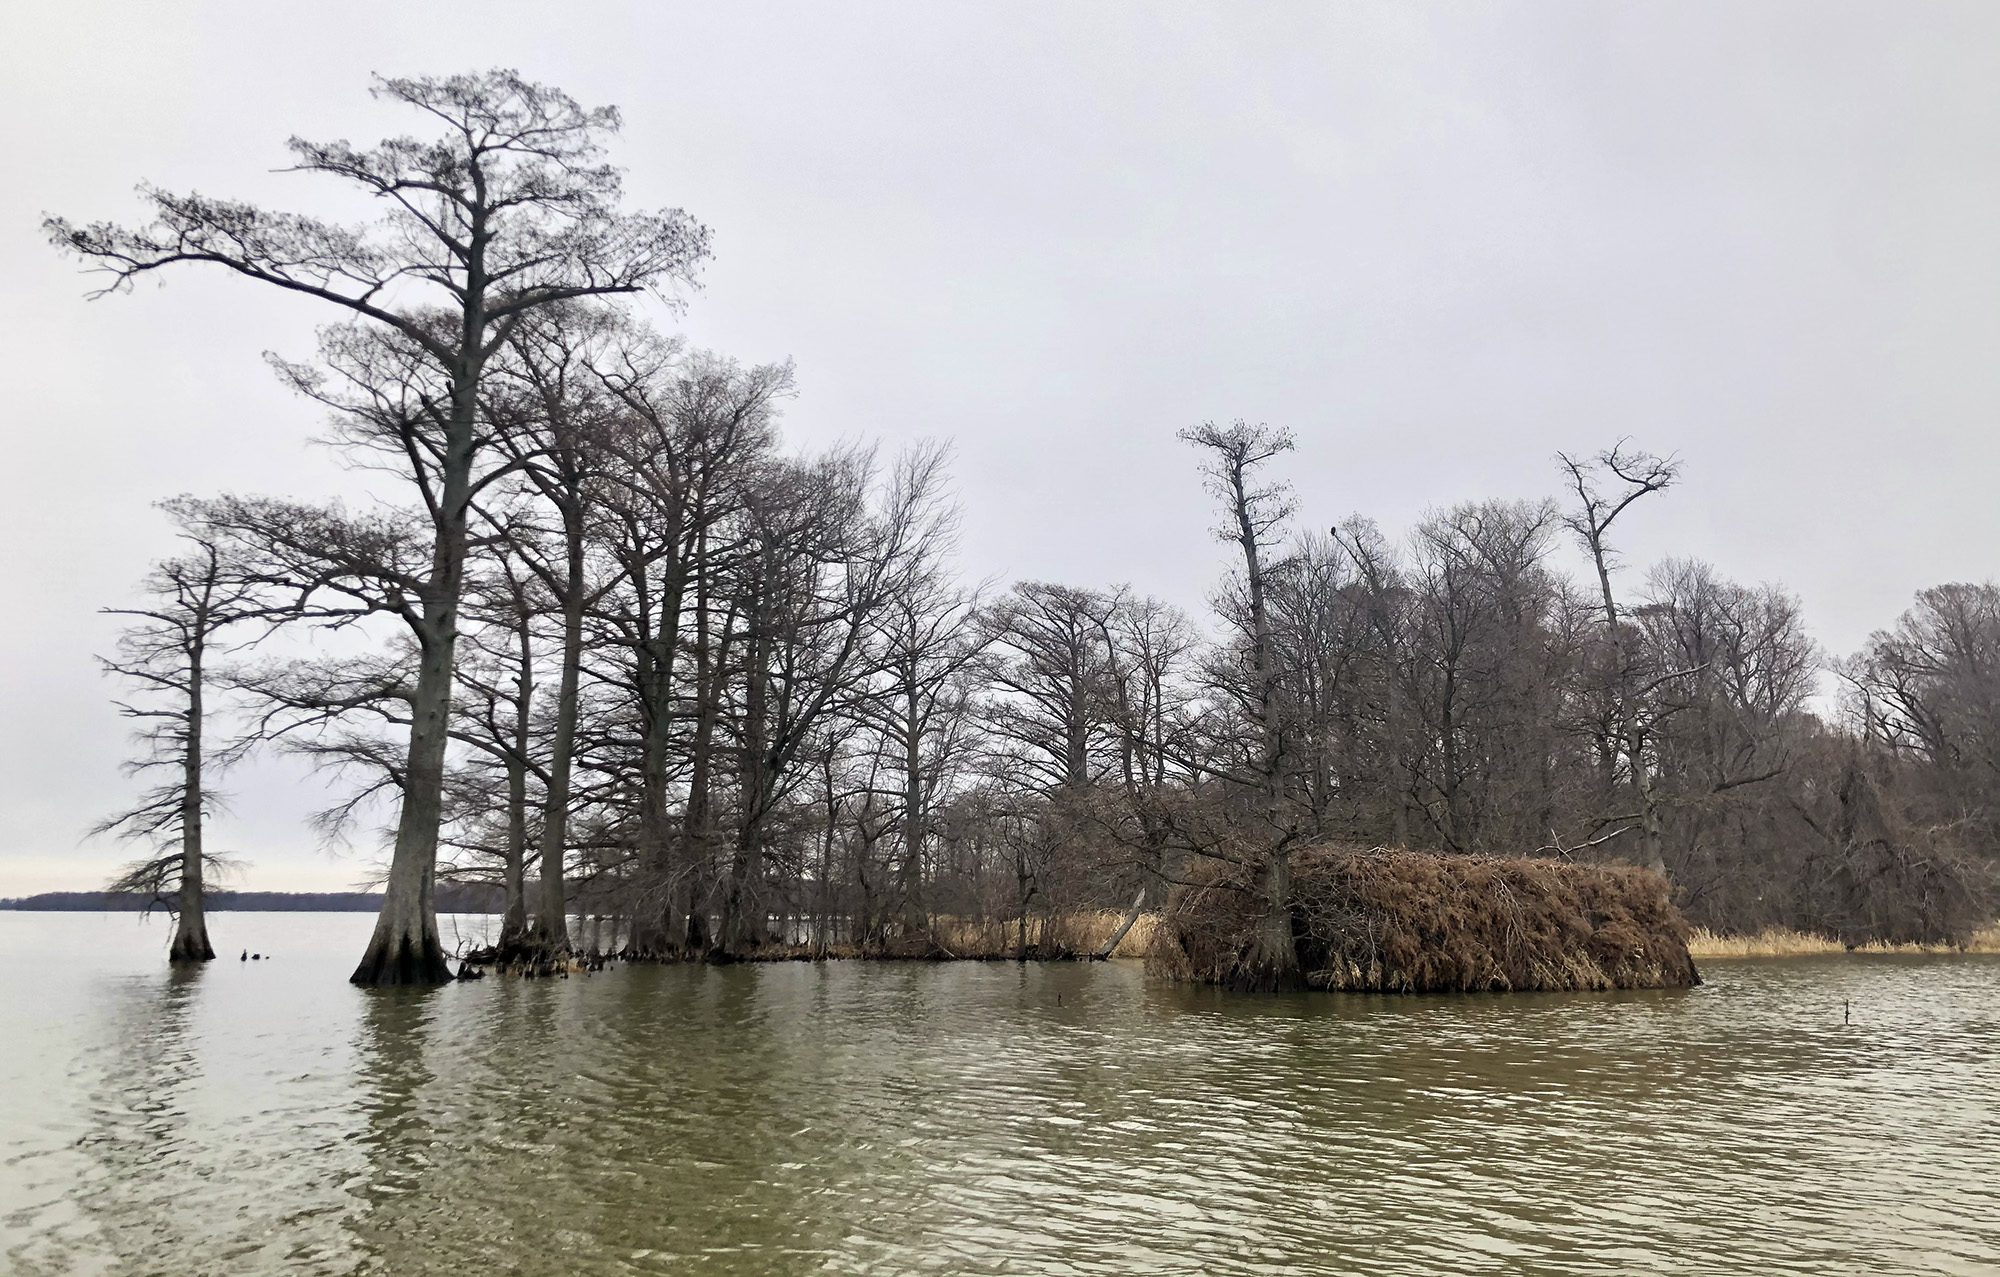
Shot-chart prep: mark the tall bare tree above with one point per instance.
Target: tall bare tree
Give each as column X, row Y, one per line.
column 1254, row 514
column 165, row 653
column 1150, row 646
column 695, row 434
column 555, row 426
column 922, row 646
column 1606, row 486
column 1047, row 669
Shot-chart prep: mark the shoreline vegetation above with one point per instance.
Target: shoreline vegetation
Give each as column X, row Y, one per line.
column 629, row 658
column 1782, row 942
column 1361, row 920
column 451, row 898
column 1081, row 934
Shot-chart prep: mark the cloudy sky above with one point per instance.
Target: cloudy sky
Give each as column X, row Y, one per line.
column 1438, row 241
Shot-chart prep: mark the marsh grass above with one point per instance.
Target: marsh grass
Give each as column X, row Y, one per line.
column 1781, row 942
column 1390, row 921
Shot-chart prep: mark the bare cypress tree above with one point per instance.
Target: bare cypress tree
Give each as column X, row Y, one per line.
column 695, row 431
column 557, row 435
column 924, row 644
column 1047, row 664
column 495, row 710
column 1149, row 643
column 1253, row 513
column 511, row 209
column 829, row 547
column 1632, row 474
column 164, row 653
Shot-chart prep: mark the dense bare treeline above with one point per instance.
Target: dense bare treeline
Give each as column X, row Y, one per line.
column 649, row 664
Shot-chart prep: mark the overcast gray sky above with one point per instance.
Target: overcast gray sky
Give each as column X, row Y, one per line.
column 1438, row 241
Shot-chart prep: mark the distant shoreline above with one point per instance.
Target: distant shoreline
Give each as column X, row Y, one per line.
column 451, row 898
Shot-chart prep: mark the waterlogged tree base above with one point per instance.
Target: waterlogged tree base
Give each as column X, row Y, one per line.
column 530, row 956
column 403, row 959
column 191, row 945
column 1259, row 968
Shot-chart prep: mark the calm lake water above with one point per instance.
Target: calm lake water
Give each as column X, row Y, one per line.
column 264, row 1117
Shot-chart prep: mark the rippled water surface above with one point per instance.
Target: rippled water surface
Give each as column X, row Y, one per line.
column 264, row 1117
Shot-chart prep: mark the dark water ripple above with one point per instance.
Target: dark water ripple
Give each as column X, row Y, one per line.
column 963, row 1119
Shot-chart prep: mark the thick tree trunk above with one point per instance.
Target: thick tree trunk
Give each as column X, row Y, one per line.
column 405, row 947
column 1269, row 963
column 1272, row 961
column 514, row 922
column 1024, row 892
column 823, row 905
column 190, row 923
column 656, row 931
column 697, row 832
column 652, row 926
column 744, row 924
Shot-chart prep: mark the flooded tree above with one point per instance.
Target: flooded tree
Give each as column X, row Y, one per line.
column 696, row 432
column 554, row 426
column 498, row 675
column 1254, row 510
column 918, row 709
column 1152, row 649
column 508, row 209
column 165, row 654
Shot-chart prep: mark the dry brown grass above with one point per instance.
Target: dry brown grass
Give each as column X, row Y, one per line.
column 1407, row 922
column 1781, row 942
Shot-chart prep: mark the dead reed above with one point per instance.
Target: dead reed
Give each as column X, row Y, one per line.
column 1408, row 922
column 1782, row 942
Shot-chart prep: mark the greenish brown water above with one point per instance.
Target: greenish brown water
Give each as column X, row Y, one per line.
column 852, row 1118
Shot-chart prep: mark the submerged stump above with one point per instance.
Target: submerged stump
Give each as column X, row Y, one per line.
column 1408, row 922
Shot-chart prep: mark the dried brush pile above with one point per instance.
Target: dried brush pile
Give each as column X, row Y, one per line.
column 1407, row 922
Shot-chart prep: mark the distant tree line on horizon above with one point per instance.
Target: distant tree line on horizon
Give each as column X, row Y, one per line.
column 611, row 647
column 452, row 898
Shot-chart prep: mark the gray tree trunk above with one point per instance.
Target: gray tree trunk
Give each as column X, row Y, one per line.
column 551, row 915
column 190, row 923
column 405, row 947
column 514, row 922
column 1632, row 741
column 1272, row 960
column 1132, row 913
column 915, row 818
